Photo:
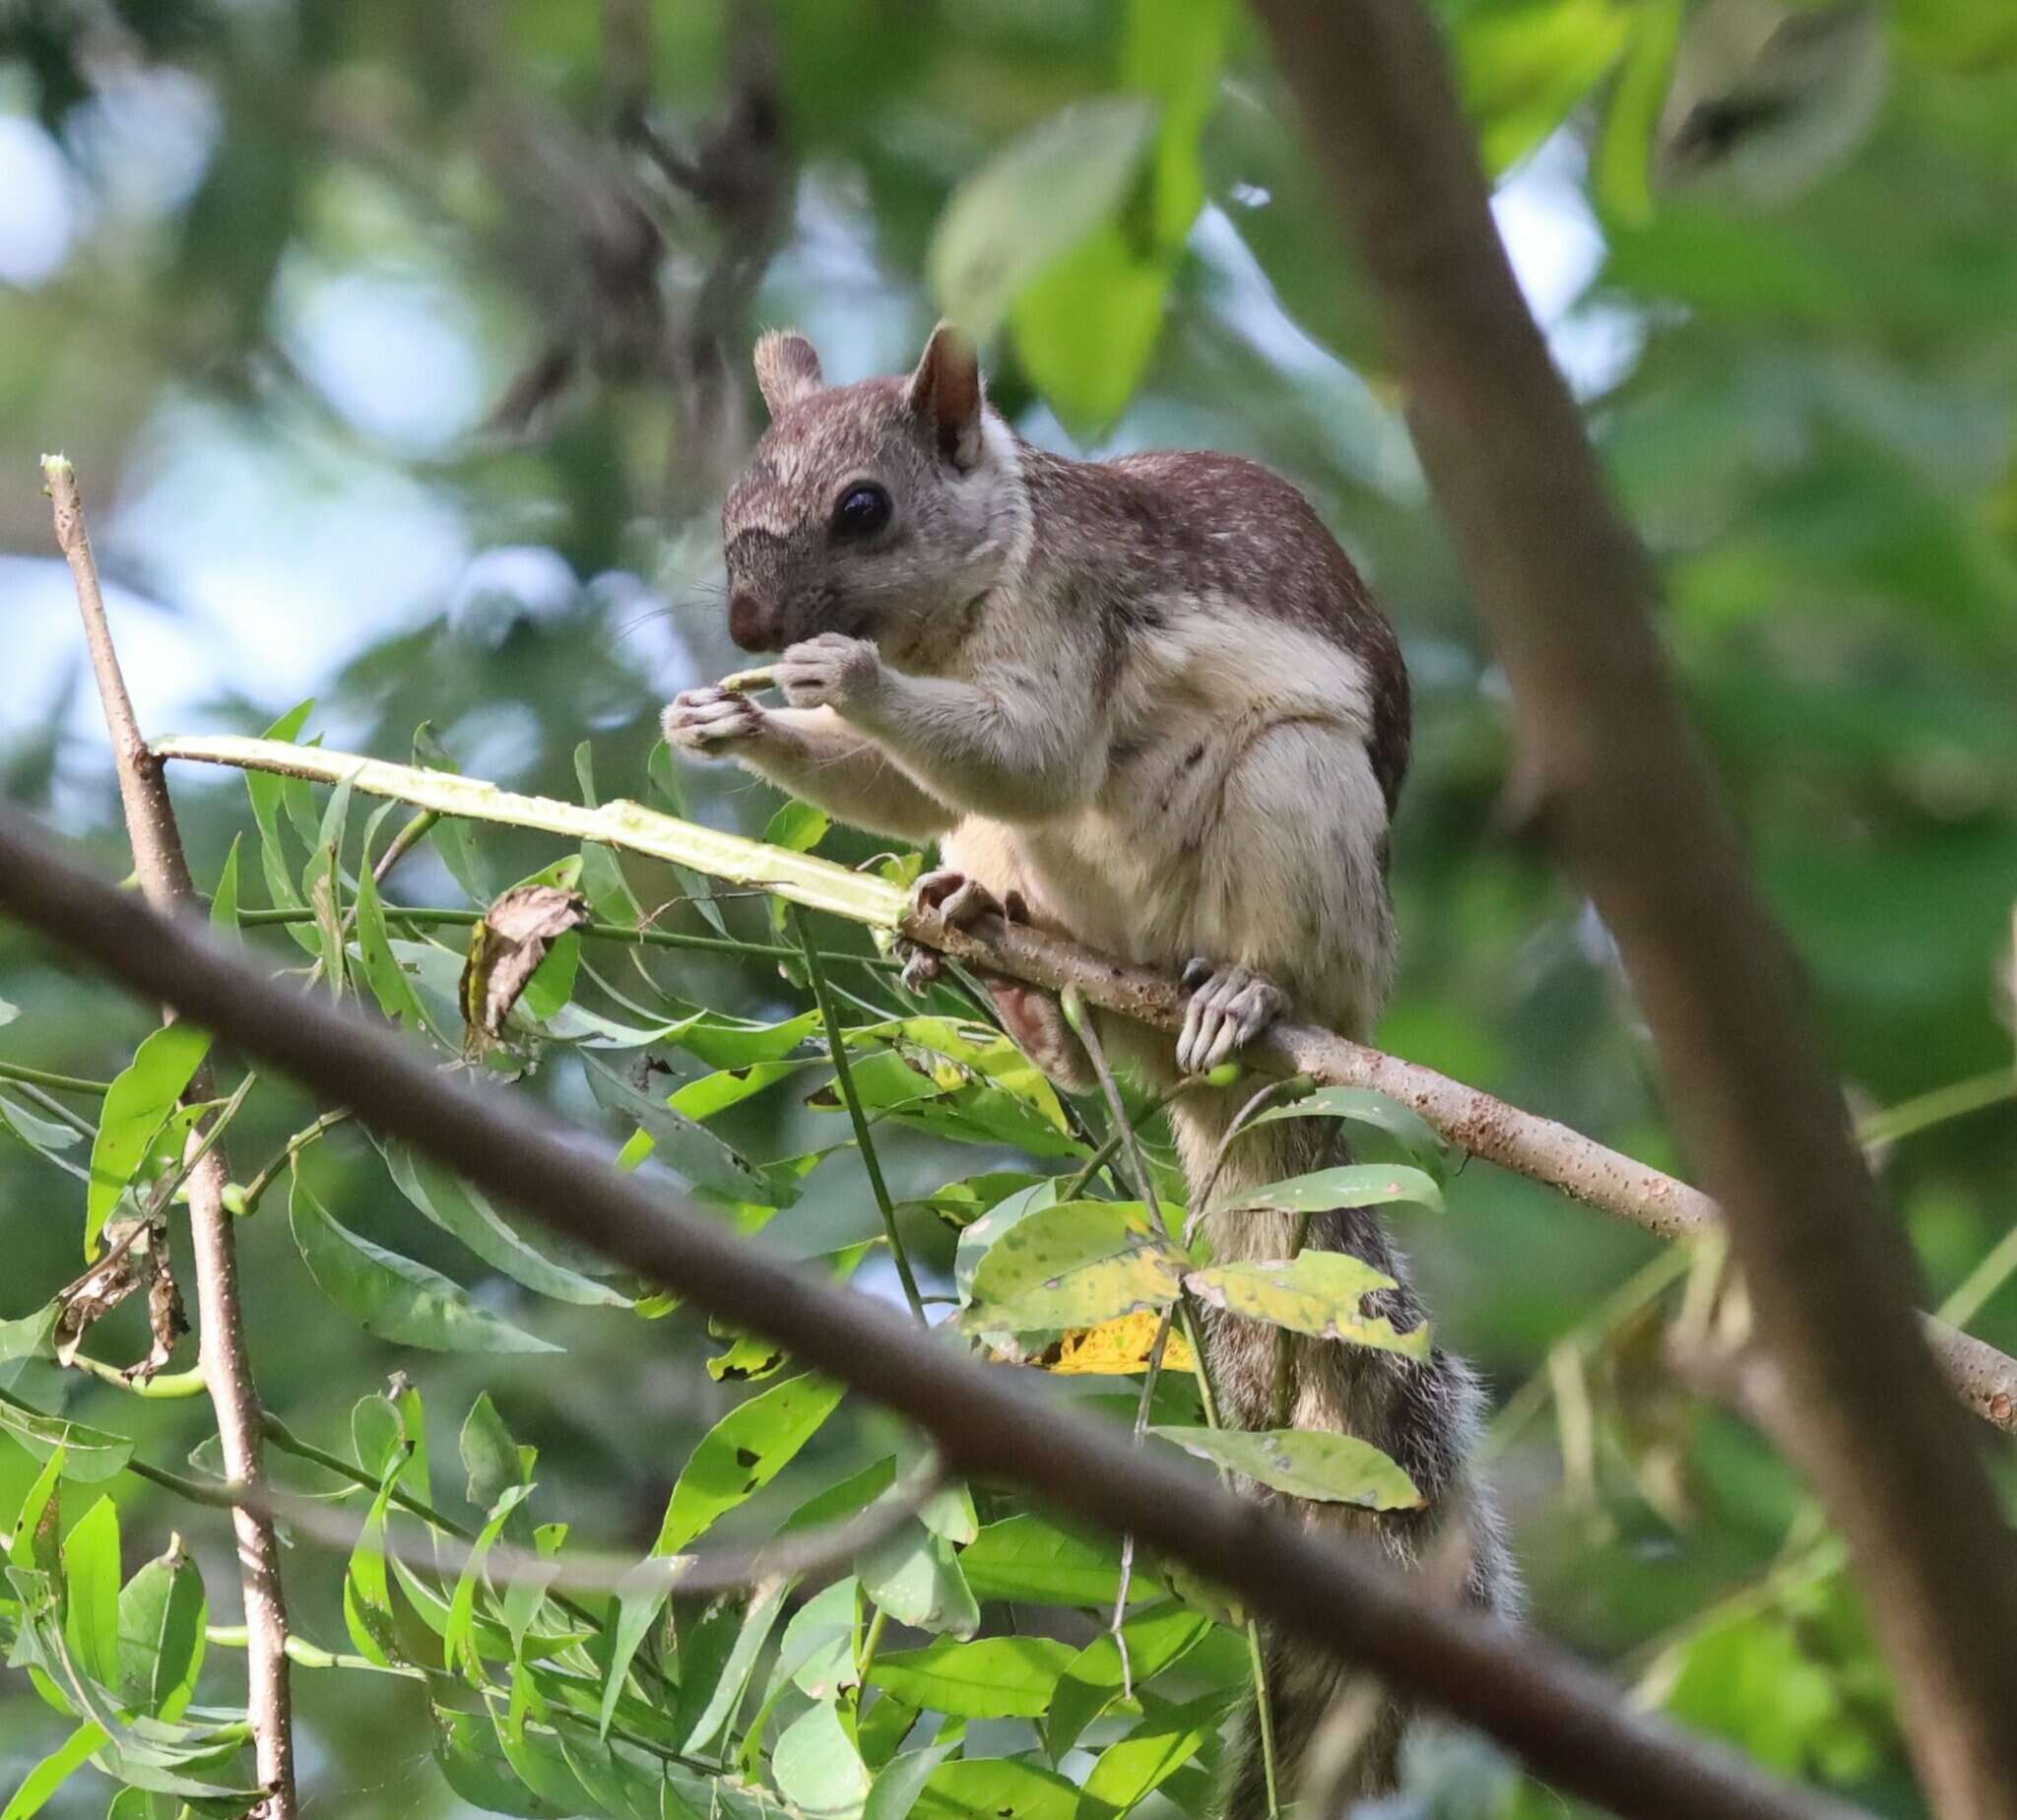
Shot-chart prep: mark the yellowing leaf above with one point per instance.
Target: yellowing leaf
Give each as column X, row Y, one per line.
column 1120, row 1347
column 1316, row 1292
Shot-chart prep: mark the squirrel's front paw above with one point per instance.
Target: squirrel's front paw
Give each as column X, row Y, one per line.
column 832, row 671
column 711, row 721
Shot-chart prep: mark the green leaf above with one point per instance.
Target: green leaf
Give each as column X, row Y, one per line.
column 1034, row 202
column 21, row 1341
column 387, row 979
column 900, row 1782
column 1151, row 1754
column 1074, row 1265
column 1351, row 1185
column 743, row 1452
column 391, row 1296
column 996, row 1677
column 798, row 827
column 137, row 1105
column 162, row 1616
column 816, row 1765
column 1157, row 1637
column 1086, row 328
column 454, row 838
column 366, row 1594
column 1525, row 67
column 1028, row 1558
column 997, row 1789
column 915, row 1575
column 322, row 885
column 457, row 1642
column 224, row 902
column 1365, row 1106
column 748, row 1360
column 91, row 1581
column 730, row 1086
column 493, row 1460
column 1173, row 52
column 1315, row 1292
column 264, row 787
column 1326, row 1468
column 53, row 1772
column 979, row 1236
column 1624, row 151
column 474, row 1765
column 466, row 1214
column 816, row 1653
column 705, row 1708
column 689, row 1148
column 89, row 1455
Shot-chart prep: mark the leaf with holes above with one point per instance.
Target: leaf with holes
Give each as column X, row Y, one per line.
column 682, row 1144
column 1315, row 1292
column 743, row 1452
column 1326, row 1468
column 1074, row 1265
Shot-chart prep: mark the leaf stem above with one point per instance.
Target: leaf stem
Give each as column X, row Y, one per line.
column 56, row 1084
column 425, row 917
column 293, row 1146
column 836, row 1043
column 167, row 1387
column 870, row 1643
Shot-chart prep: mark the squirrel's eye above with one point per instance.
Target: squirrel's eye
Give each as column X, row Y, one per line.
column 863, row 510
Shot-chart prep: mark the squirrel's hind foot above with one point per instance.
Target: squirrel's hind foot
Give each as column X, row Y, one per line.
column 1229, row 1007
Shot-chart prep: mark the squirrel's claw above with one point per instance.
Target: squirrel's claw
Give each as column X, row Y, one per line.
column 1229, row 1007
column 961, row 901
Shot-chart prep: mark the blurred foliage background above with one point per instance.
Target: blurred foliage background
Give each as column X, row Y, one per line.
column 402, row 352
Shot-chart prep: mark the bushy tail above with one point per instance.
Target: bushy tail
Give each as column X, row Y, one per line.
column 1424, row 1414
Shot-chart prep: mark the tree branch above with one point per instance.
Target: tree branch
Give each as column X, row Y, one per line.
column 226, row 1368
column 1609, row 768
column 1567, row 1721
column 1541, row 1149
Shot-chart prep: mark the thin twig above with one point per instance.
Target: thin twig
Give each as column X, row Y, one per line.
column 163, row 873
column 836, row 1044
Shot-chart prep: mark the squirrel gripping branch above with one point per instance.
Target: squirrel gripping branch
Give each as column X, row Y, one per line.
column 1151, row 704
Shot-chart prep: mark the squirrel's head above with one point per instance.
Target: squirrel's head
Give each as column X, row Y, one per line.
column 882, row 509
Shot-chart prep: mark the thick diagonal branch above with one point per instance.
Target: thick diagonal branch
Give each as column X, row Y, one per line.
column 163, row 873
column 1567, row 1721
column 1611, row 772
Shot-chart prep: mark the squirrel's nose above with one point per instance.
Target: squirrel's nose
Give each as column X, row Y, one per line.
column 752, row 624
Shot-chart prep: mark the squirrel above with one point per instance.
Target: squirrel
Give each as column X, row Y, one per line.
column 1147, row 703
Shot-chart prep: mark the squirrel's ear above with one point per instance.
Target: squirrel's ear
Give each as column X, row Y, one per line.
column 946, row 395
column 787, row 369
